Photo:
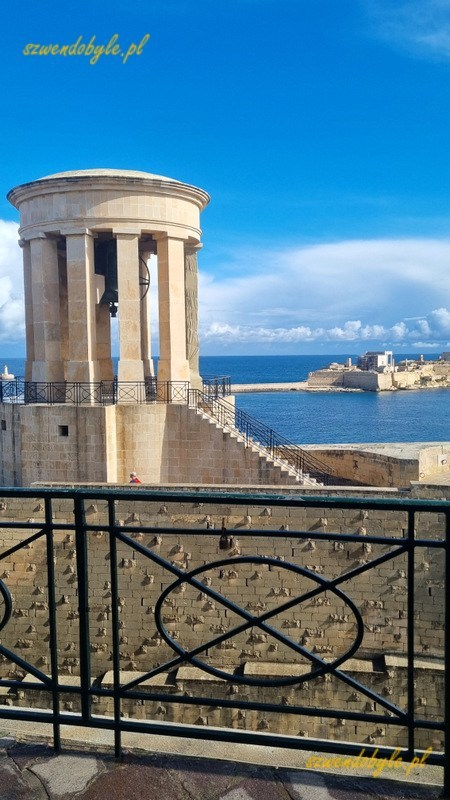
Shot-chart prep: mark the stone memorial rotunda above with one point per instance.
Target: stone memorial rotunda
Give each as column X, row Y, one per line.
column 86, row 238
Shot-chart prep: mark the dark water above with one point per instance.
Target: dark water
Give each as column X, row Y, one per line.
column 325, row 417
column 265, row 369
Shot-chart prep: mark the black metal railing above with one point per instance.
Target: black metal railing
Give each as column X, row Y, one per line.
column 109, row 392
column 151, row 390
column 63, row 548
column 216, row 385
column 93, row 393
column 257, row 433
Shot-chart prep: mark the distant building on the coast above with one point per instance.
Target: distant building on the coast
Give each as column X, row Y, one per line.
column 376, row 371
column 376, row 360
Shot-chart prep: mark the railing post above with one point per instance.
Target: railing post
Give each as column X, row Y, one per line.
column 83, row 607
column 410, row 632
column 52, row 618
column 115, row 627
column 446, row 790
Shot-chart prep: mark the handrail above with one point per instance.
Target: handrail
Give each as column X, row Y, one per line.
column 257, row 433
column 216, row 385
column 106, row 392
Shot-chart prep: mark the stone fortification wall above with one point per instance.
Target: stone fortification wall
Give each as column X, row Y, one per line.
column 324, row 625
column 404, row 380
column 161, row 442
column 368, row 468
column 324, row 378
column 350, row 379
column 200, row 451
column 434, row 460
column 417, row 375
column 394, row 465
column 10, row 444
column 138, row 435
column 368, row 381
column 66, row 441
column 430, row 491
column 442, row 368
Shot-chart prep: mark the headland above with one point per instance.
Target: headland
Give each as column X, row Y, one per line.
column 376, row 371
column 292, row 386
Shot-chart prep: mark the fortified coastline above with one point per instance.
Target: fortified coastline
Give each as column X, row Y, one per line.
column 376, row 372
column 374, row 375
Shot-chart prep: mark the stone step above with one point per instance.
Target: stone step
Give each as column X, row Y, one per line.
column 282, row 467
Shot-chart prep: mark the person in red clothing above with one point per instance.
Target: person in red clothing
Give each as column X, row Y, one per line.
column 134, row 478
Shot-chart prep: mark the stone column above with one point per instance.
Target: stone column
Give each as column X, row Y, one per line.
column 146, row 339
column 47, row 364
column 173, row 364
column 130, row 361
column 81, row 295
column 103, row 325
column 191, row 303
column 63, row 307
column 28, row 297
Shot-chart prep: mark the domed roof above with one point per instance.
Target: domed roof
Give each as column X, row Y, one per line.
column 106, row 173
column 69, row 180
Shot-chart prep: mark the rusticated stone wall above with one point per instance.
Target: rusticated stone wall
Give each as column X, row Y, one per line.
column 384, row 465
column 162, row 442
column 325, row 624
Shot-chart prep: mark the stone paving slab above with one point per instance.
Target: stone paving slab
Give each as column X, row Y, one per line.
column 14, row 785
column 31, row 771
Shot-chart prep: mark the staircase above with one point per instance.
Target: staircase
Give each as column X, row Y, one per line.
column 295, row 464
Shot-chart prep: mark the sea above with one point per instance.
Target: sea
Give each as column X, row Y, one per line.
column 421, row 415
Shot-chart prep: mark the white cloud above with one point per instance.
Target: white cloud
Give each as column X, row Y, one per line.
column 386, row 291
column 440, row 318
column 350, row 331
column 420, row 26
column 399, row 331
column 354, row 291
column 11, row 284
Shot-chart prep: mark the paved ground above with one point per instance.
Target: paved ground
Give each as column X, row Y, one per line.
column 32, row 771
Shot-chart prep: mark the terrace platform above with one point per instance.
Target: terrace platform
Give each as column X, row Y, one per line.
column 180, row 741
column 174, row 770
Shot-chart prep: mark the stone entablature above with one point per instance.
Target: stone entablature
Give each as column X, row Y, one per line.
column 57, row 203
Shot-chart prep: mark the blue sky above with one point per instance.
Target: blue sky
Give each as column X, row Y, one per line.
column 320, row 130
